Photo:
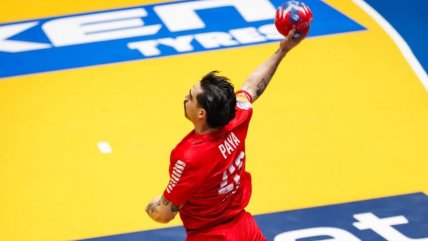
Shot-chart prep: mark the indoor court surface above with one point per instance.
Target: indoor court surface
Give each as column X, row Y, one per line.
column 91, row 105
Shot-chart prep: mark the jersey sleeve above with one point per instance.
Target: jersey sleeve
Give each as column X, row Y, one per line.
column 185, row 178
column 243, row 99
column 244, row 111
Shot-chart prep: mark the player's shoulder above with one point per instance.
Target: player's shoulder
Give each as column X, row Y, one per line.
column 243, row 100
column 193, row 151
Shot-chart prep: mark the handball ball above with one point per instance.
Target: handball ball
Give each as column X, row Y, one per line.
column 293, row 14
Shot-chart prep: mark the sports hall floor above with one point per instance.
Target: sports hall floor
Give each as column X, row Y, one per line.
column 345, row 120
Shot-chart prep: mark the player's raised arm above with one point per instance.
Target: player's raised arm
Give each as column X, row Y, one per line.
column 257, row 82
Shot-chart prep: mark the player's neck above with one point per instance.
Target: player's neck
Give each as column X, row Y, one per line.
column 203, row 128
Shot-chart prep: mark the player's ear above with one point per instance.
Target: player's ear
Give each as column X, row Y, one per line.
column 202, row 113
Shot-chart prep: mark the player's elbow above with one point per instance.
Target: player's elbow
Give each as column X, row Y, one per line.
column 163, row 218
column 163, row 221
column 161, row 211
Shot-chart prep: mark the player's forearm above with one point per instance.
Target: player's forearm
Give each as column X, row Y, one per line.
column 261, row 77
column 256, row 84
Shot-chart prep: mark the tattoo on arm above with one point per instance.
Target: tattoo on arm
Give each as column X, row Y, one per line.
column 165, row 201
column 151, row 206
column 261, row 87
column 174, row 208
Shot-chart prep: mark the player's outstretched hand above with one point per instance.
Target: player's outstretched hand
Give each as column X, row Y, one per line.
column 289, row 42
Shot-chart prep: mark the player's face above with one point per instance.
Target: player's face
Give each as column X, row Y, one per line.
column 191, row 108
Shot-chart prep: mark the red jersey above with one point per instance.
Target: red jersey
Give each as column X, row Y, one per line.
column 207, row 172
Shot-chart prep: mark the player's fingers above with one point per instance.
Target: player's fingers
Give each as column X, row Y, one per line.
column 291, row 33
column 291, row 41
column 300, row 38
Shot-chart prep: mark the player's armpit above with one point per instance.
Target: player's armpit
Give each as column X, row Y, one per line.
column 162, row 210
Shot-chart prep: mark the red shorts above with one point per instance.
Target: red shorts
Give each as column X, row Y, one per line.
column 241, row 228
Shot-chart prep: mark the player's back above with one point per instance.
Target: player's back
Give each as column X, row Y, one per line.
column 225, row 188
column 208, row 177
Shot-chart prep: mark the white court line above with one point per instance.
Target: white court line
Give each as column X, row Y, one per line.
column 104, row 147
column 399, row 41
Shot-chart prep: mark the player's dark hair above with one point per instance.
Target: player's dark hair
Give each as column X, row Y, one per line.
column 218, row 99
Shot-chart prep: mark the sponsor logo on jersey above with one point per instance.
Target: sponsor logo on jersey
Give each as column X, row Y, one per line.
column 148, row 31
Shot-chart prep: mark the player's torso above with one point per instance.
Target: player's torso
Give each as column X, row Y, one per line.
column 220, row 195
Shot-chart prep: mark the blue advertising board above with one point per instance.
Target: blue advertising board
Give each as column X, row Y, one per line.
column 396, row 218
column 148, row 31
